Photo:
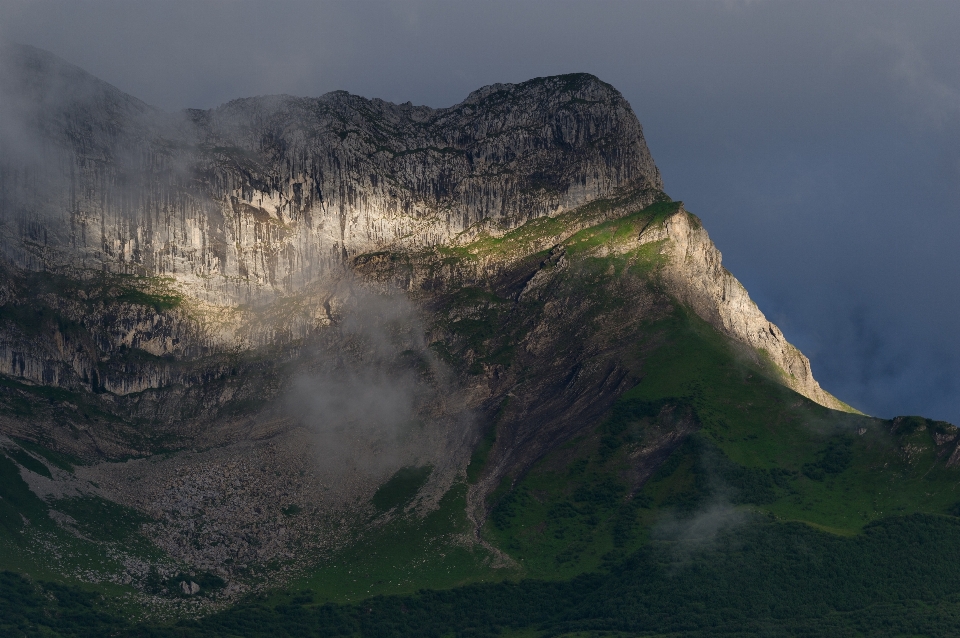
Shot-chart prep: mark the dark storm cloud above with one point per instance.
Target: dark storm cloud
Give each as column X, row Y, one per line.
column 818, row 141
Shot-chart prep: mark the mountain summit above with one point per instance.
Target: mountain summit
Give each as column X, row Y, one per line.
column 270, row 193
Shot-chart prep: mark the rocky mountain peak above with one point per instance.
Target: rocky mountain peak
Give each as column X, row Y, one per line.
column 56, row 100
column 267, row 194
column 267, row 325
column 273, row 195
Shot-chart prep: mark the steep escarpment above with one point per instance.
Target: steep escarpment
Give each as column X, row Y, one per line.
column 154, row 259
column 268, row 194
column 694, row 274
column 565, row 319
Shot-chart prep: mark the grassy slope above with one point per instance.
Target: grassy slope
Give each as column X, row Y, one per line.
column 405, row 555
column 763, row 578
column 89, row 552
column 760, row 447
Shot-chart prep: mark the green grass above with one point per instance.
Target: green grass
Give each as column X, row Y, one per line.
column 103, row 519
column 843, row 470
column 101, row 533
column 401, row 488
column 63, row 461
column 822, row 505
column 760, row 578
column 406, row 554
column 32, row 401
column 480, row 453
column 538, row 234
column 30, row 462
column 19, row 507
column 92, row 288
column 759, row 446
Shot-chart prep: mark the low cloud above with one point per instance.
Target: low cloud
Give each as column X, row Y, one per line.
column 701, row 527
column 376, row 398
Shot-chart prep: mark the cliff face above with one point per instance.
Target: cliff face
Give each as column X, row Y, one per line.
column 696, row 277
column 268, row 194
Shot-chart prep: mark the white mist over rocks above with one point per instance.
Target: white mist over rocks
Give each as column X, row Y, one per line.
column 379, row 399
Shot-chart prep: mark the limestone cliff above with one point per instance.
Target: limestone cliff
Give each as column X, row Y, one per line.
column 270, row 199
column 696, row 277
column 269, row 193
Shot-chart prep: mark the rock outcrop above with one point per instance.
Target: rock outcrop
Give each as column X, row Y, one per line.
column 273, row 197
column 695, row 275
column 201, row 296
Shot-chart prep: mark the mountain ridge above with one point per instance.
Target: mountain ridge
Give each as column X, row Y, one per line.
column 263, row 234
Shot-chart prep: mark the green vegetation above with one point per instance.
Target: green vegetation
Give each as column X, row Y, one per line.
column 757, row 447
column 67, row 539
column 404, row 555
column 91, row 289
column 63, row 461
column 479, row 457
column 706, row 499
column 774, row 579
column 30, row 462
column 538, row 234
column 753, row 445
column 104, row 520
column 18, row 505
column 32, row 401
column 401, row 488
column 839, row 471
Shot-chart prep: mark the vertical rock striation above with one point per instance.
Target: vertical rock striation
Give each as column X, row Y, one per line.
column 273, row 198
column 268, row 194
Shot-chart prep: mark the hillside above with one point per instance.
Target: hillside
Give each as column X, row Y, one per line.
column 293, row 353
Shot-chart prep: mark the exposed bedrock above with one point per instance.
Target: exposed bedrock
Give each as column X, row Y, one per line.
column 269, row 193
column 240, row 223
column 696, row 277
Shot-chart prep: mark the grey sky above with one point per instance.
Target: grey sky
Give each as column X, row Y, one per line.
column 819, row 142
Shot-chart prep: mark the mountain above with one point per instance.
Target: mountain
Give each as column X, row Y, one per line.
column 344, row 347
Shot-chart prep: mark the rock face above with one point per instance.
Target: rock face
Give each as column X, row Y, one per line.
column 270, row 193
column 696, row 277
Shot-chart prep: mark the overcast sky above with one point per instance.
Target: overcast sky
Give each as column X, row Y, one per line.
column 819, row 142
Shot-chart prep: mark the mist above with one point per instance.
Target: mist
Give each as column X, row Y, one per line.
column 375, row 397
column 714, row 512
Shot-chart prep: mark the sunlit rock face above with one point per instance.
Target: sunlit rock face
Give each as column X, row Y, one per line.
column 268, row 194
